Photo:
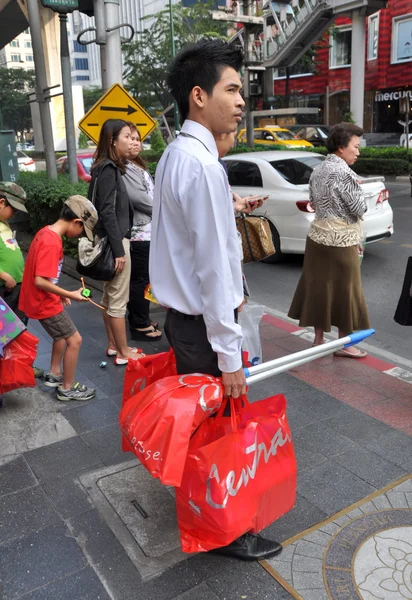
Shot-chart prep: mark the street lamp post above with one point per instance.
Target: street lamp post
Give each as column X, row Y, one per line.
column 172, row 35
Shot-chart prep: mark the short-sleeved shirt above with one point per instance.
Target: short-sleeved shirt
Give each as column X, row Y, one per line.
column 45, row 259
column 11, row 258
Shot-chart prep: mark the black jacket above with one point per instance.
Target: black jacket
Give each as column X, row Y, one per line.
column 114, row 210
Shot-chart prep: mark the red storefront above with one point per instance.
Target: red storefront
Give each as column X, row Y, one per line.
column 388, row 72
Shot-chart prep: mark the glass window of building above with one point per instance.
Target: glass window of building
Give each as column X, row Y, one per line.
column 27, row 44
column 82, row 78
column 29, row 57
column 81, row 64
column 402, row 38
column 341, row 48
column 373, row 36
column 14, row 44
column 27, row 31
column 15, row 58
column 79, row 47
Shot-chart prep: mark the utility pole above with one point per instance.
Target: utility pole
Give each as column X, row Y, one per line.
column 101, row 37
column 113, row 49
column 41, row 87
column 246, row 83
column 172, row 35
column 68, row 99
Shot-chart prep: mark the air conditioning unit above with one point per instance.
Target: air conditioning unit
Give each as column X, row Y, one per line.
column 255, row 89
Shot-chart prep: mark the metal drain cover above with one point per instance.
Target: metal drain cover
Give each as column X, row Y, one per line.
column 141, row 513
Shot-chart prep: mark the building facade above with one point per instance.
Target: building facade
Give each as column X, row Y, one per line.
column 18, row 54
column 388, row 72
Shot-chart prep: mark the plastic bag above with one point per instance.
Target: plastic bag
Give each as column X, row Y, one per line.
column 249, row 319
column 16, row 365
column 239, row 476
column 141, row 373
column 157, row 422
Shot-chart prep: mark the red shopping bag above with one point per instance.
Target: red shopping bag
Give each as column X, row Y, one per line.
column 157, row 423
column 239, row 476
column 141, row 373
column 17, row 361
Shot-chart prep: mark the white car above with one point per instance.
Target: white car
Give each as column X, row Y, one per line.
column 25, row 162
column 284, row 177
column 402, row 141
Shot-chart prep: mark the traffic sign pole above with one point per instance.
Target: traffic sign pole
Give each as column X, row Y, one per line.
column 113, row 50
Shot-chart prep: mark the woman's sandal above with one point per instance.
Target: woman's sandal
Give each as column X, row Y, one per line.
column 111, row 352
column 344, row 353
column 143, row 336
column 123, row 361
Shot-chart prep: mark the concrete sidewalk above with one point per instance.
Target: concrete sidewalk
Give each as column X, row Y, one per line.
column 80, row 520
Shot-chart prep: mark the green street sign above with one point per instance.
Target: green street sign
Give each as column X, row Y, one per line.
column 61, row 5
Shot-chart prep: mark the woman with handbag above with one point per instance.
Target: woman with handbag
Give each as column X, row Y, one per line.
column 140, row 188
column 108, row 191
column 329, row 292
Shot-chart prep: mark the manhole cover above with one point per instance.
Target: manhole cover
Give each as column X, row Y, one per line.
column 141, row 513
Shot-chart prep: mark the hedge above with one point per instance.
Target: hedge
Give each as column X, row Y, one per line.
column 45, row 199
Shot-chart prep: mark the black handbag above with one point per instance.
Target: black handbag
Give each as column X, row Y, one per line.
column 96, row 259
column 403, row 313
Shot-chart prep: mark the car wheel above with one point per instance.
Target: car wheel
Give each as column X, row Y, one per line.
column 278, row 256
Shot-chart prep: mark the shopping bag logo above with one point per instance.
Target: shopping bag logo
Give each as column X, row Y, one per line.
column 258, row 450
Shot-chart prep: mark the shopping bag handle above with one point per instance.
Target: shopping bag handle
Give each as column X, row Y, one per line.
column 234, row 409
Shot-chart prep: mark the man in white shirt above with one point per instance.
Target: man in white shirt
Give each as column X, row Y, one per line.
column 195, row 267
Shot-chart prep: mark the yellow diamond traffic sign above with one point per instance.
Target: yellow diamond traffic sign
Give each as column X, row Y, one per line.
column 116, row 104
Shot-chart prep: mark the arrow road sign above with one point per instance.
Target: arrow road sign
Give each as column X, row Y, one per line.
column 129, row 109
column 117, row 103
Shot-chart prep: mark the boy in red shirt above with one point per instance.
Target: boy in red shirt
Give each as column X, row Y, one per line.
column 43, row 299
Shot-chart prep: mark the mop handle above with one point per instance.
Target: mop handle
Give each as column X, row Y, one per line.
column 279, row 365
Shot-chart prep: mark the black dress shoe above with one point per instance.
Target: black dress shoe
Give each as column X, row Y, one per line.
column 250, row 547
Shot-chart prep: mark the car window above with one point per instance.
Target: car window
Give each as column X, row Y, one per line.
column 243, row 173
column 87, row 163
column 284, row 135
column 65, row 167
column 311, row 132
column 297, row 171
column 300, row 132
column 20, row 154
column 323, row 132
column 257, row 135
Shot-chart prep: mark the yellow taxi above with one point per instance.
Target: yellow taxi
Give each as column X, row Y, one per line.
column 275, row 137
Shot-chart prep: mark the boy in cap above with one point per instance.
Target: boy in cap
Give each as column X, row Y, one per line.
column 43, row 299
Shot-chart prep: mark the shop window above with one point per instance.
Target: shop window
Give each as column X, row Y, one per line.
column 81, row 64
column 373, row 36
column 340, row 48
column 402, row 38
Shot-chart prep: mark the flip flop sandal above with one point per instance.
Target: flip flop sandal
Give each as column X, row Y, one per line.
column 143, row 336
column 111, row 352
column 346, row 354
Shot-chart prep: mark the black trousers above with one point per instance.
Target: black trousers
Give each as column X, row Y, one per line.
column 187, row 337
column 138, row 307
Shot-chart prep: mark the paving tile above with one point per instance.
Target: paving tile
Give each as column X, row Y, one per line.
column 268, row 332
column 394, row 412
column 25, row 511
column 321, row 439
column 331, row 488
column 61, row 458
column 305, row 457
column 117, row 399
column 281, row 384
column 354, row 394
column 200, row 592
column 358, row 427
column 301, row 517
column 93, row 415
column 106, row 444
column 370, row 467
column 320, row 377
column 322, row 405
column 293, row 343
column 250, row 581
column 395, row 447
column 388, row 386
column 83, row 584
column 67, row 496
column 15, row 475
column 38, row 559
column 270, row 350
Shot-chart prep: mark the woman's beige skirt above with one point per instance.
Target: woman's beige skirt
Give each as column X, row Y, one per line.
column 329, row 292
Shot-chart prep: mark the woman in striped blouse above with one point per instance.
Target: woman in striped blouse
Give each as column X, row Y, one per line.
column 329, row 292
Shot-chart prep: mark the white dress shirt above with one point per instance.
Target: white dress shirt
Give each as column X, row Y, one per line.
column 194, row 253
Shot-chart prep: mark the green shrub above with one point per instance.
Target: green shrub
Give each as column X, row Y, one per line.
column 151, row 155
column 45, row 198
column 157, row 142
column 83, row 141
column 151, row 167
column 381, row 166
